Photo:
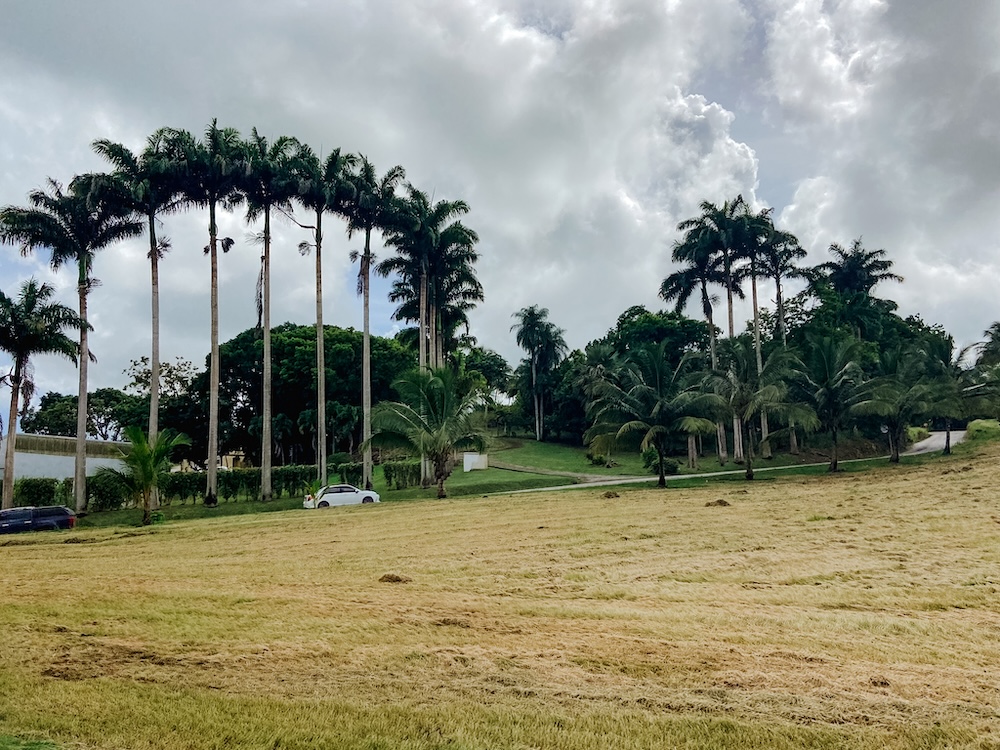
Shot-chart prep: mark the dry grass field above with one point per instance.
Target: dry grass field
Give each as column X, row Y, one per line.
column 857, row 611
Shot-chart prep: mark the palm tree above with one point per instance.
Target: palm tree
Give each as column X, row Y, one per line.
column 151, row 182
column 434, row 258
column 30, row 325
column 371, row 207
column 778, row 257
column 270, row 183
column 989, row 349
column 957, row 389
column 146, row 463
column 900, row 394
column 545, row 346
column 652, row 402
column 704, row 267
column 73, row 226
column 431, row 419
column 323, row 186
column 747, row 391
column 834, row 385
column 212, row 171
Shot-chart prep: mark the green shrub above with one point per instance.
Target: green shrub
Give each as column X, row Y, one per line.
column 650, row 459
column 351, row 473
column 182, row 486
column 983, row 429
column 336, row 459
column 35, row 491
column 401, row 474
column 64, row 493
column 292, row 480
column 106, row 492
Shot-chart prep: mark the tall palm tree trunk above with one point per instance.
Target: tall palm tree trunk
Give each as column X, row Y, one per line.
column 834, row 466
column 422, row 330
column 265, row 433
column 737, row 422
column 366, row 367
column 212, row 486
column 720, row 428
column 947, row 437
column 692, row 452
column 320, row 357
column 534, row 393
column 80, row 465
column 154, row 357
column 765, row 447
column 793, row 439
column 8, row 461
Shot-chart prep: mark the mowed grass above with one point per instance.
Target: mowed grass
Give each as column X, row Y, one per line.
column 859, row 610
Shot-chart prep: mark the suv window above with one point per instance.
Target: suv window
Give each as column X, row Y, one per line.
column 15, row 514
column 51, row 511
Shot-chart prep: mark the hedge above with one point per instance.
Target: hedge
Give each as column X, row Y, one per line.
column 35, row 491
column 401, row 474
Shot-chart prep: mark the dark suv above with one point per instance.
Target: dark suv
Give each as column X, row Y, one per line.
column 49, row 518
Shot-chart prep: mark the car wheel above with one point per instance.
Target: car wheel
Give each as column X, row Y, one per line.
column 368, row 499
column 323, row 504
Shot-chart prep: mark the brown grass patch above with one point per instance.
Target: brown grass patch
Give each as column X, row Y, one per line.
column 852, row 610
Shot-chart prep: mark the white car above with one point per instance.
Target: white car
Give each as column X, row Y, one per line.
column 340, row 494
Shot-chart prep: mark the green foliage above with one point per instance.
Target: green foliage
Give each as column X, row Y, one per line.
column 181, row 485
column 401, row 474
column 336, row 459
column 650, row 460
column 983, row 430
column 107, row 491
column 35, row 491
column 292, row 480
column 351, row 472
column 145, row 464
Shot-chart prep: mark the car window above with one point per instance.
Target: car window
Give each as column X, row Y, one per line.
column 15, row 514
column 51, row 511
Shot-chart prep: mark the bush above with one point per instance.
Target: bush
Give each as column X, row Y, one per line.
column 182, row 485
column 351, row 473
column 35, row 491
column 336, row 459
column 401, row 474
column 292, row 480
column 596, row 458
column 106, row 492
column 650, row 459
column 982, row 429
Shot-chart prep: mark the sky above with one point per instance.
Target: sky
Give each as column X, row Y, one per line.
column 579, row 132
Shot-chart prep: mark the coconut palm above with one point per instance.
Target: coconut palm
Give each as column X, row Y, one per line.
column 958, row 388
column 747, row 391
column 650, row 400
column 30, row 324
column 150, row 180
column 371, row 207
column 778, row 257
column 431, row 419
column 145, row 464
column 545, row 346
column 270, row 183
column 323, row 186
column 833, row 384
column 211, row 173
column 73, row 226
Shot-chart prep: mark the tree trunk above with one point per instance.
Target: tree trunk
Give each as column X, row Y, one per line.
column 662, row 481
column 894, row 446
column 366, row 368
column 720, row 430
column 749, row 455
column 265, row 434
column 793, row 439
column 147, row 507
column 780, row 309
column 422, row 330
column 534, row 393
column 737, row 440
column 154, row 357
column 947, row 437
column 833, row 451
column 212, row 486
column 8, row 462
column 720, row 443
column 765, row 447
column 320, row 358
column 80, row 465
column 692, row 452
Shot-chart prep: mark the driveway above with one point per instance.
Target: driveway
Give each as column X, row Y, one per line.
column 935, row 442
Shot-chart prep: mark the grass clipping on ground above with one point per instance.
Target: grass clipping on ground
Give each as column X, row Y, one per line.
column 856, row 610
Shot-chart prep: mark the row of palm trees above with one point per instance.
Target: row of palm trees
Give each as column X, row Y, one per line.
column 643, row 396
column 729, row 245
column 436, row 283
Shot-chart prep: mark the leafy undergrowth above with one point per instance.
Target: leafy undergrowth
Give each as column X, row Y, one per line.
column 13, row 743
column 856, row 610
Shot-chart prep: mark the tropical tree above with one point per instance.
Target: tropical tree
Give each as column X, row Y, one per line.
column 323, row 186
column 436, row 284
column 212, row 170
column 30, row 324
column 899, row 394
column 150, row 182
column 989, row 349
column 703, row 267
column 777, row 259
column 746, row 391
column 371, row 207
column 270, row 182
column 145, row 464
column 545, row 346
column 651, row 400
column 959, row 390
column 73, row 226
column 833, row 384
column 431, row 419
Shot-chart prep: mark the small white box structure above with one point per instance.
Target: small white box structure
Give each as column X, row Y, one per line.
column 476, row 461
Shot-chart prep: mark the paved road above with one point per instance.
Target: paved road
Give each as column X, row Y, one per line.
column 935, row 442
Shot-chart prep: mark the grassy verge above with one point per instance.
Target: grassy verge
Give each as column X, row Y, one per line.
column 852, row 611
